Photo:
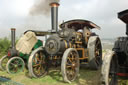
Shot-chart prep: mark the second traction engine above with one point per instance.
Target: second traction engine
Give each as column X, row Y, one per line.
column 115, row 62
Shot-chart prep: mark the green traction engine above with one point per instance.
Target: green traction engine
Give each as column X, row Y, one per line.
column 18, row 55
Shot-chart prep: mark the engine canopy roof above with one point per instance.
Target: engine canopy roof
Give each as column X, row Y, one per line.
column 78, row 24
column 123, row 16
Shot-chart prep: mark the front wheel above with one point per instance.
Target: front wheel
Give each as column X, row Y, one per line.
column 15, row 65
column 70, row 65
column 109, row 69
column 37, row 63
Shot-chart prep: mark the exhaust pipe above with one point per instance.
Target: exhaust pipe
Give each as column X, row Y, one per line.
column 12, row 51
column 54, row 15
column 13, row 37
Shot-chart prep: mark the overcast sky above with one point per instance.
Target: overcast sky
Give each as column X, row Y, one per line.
column 15, row 13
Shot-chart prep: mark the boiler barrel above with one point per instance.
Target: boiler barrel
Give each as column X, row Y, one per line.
column 54, row 45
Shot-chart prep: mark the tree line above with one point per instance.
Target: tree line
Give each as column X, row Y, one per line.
column 5, row 43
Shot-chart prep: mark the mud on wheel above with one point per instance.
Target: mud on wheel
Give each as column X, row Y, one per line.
column 95, row 52
column 3, row 62
column 15, row 65
column 70, row 65
column 109, row 69
column 37, row 63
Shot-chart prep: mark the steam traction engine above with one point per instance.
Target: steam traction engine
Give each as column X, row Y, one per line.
column 68, row 47
column 115, row 63
column 18, row 55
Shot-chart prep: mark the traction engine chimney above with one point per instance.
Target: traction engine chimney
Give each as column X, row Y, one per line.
column 54, row 15
column 13, row 37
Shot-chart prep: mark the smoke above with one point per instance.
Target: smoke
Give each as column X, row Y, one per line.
column 41, row 7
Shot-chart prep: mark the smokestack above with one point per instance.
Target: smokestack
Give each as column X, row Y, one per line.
column 13, row 37
column 54, row 15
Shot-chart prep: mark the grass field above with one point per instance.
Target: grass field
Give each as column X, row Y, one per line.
column 54, row 77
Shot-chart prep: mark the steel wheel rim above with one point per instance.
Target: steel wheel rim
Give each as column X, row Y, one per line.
column 39, row 64
column 16, row 65
column 98, row 52
column 72, row 65
column 112, row 73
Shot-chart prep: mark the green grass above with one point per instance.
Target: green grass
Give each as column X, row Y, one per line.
column 4, row 46
column 54, row 77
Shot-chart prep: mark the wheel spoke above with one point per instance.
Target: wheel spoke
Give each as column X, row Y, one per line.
column 69, row 59
column 36, row 56
column 36, row 65
column 34, row 60
column 98, row 63
column 12, row 63
column 39, row 70
column 68, row 66
column 97, row 43
column 73, row 56
column 41, row 56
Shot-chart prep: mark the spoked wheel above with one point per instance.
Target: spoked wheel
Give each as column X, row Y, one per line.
column 95, row 52
column 70, row 65
column 37, row 63
column 15, row 65
column 109, row 69
column 3, row 62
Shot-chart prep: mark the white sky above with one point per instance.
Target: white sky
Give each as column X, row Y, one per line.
column 15, row 13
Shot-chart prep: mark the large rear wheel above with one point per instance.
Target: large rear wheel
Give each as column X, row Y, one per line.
column 3, row 62
column 70, row 65
column 95, row 52
column 37, row 63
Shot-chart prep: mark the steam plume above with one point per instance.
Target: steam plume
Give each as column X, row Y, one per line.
column 41, row 7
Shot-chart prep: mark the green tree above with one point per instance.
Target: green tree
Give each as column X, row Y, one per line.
column 4, row 46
